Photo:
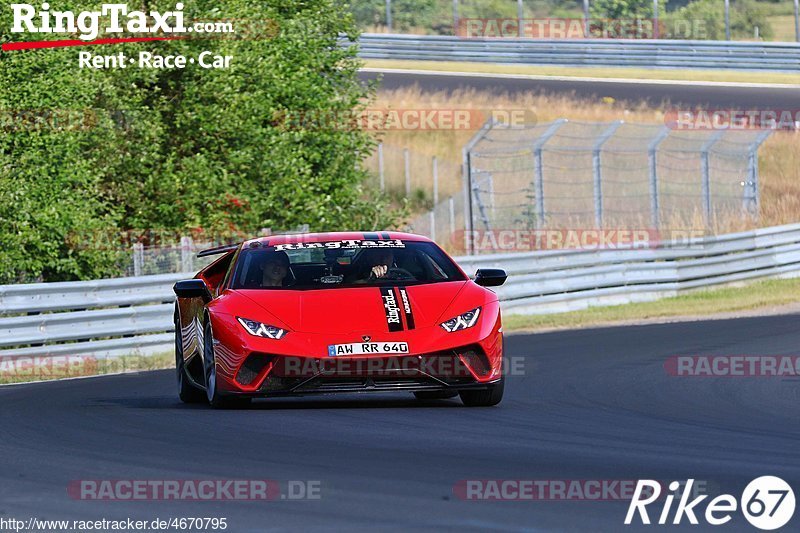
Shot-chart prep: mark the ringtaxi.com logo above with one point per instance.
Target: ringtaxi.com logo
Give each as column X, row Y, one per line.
column 27, row 18
column 767, row 503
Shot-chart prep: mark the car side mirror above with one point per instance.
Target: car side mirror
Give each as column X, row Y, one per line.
column 192, row 288
column 490, row 277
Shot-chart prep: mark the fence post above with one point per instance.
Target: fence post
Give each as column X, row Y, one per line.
column 380, row 167
column 433, row 224
column 597, row 172
column 491, row 195
column 705, row 188
column 750, row 198
column 655, row 208
column 751, row 195
column 452, row 208
column 407, row 166
column 727, row 20
column 389, row 15
column 468, row 222
column 138, row 258
column 520, row 15
column 656, row 29
column 466, row 177
column 455, row 17
column 797, row 20
column 187, row 263
column 435, row 181
column 538, row 169
column 586, row 18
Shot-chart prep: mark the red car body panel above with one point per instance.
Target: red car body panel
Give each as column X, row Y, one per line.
column 317, row 319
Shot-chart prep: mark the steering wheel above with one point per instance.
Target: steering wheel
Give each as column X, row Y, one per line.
column 399, row 274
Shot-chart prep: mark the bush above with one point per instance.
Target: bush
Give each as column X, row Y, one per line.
column 183, row 148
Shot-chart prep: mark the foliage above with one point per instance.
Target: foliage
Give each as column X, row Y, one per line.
column 175, row 149
column 621, row 9
column 705, row 19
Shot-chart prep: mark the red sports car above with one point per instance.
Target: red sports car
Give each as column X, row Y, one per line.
column 290, row 315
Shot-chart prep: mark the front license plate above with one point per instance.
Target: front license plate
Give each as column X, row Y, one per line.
column 364, row 348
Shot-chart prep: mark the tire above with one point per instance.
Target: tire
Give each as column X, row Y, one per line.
column 187, row 392
column 483, row 398
column 435, row 394
column 213, row 396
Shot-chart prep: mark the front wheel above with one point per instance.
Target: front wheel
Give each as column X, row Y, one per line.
column 187, row 392
column 215, row 399
column 483, row 398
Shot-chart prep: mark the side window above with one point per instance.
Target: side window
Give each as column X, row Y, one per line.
column 215, row 273
column 229, row 273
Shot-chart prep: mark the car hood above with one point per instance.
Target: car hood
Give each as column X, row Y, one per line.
column 358, row 309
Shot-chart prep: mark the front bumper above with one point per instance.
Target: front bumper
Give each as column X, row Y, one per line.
column 325, row 385
column 468, row 360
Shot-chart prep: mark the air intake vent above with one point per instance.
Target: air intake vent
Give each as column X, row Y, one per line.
column 252, row 367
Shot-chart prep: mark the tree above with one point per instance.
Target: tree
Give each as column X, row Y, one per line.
column 175, row 149
column 621, row 9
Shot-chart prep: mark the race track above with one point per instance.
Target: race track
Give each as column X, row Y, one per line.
column 653, row 93
column 592, row 404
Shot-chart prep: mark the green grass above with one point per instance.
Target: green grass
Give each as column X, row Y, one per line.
column 591, row 72
column 708, row 302
column 61, row 367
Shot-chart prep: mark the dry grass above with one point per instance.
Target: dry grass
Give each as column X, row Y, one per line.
column 783, row 27
column 722, row 75
column 24, row 370
column 779, row 157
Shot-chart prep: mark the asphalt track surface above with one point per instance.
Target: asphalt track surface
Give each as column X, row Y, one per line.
column 655, row 94
column 591, row 404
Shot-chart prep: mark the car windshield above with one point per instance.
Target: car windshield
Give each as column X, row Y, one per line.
column 336, row 264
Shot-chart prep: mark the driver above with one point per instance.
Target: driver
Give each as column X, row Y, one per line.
column 377, row 263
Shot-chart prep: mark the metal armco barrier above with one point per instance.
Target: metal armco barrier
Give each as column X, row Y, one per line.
column 134, row 315
column 585, row 52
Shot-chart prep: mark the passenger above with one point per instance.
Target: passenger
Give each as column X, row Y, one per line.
column 275, row 269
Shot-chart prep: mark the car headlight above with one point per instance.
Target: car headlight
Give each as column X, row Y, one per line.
column 462, row 321
column 261, row 330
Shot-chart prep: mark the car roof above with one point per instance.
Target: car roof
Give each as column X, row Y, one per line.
column 272, row 240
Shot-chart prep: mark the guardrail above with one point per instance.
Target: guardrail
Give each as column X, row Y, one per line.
column 134, row 315
column 585, row 52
